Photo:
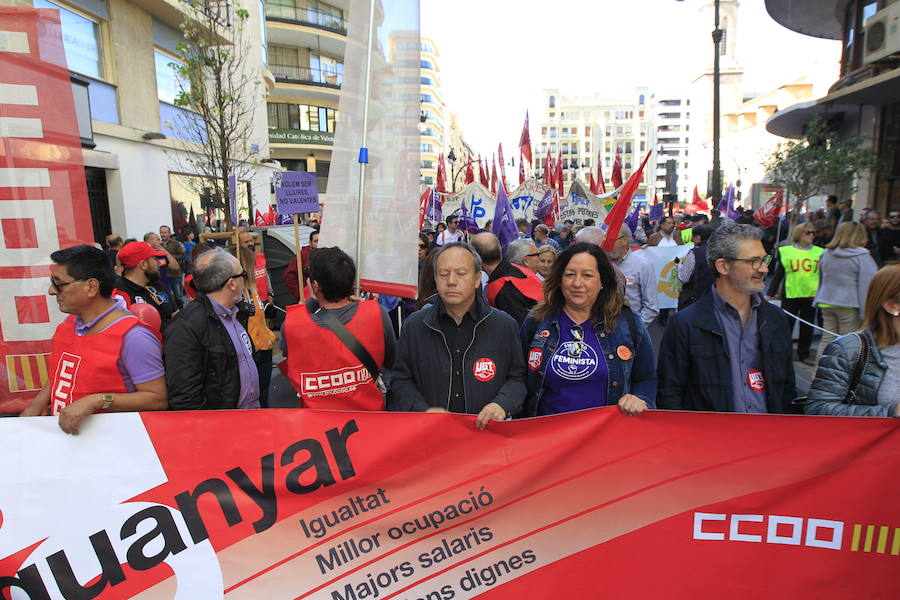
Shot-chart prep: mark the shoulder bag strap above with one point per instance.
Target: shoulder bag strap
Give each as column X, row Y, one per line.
column 632, row 326
column 861, row 359
column 349, row 340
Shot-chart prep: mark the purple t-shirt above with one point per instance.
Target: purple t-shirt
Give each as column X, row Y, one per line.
column 141, row 358
column 249, row 393
column 576, row 375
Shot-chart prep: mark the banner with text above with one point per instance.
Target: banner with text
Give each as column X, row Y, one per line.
column 663, row 260
column 344, row 506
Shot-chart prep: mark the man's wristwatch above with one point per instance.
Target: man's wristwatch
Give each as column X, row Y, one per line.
column 107, row 401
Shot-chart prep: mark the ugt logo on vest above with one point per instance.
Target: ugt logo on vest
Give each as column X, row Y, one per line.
column 484, row 369
column 64, row 381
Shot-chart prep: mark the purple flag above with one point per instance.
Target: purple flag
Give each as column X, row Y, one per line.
column 657, row 212
column 434, row 208
column 544, row 206
column 632, row 219
column 726, row 206
column 504, row 225
column 467, row 223
column 285, row 220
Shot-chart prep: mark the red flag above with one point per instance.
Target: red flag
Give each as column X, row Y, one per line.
column 601, row 183
column 620, row 210
column 482, row 174
column 699, row 202
column 559, row 173
column 617, row 171
column 272, row 216
column 548, row 169
column 260, row 221
column 502, row 165
column 493, row 176
column 766, row 214
column 441, row 175
column 423, row 205
column 470, row 172
column 521, row 170
column 525, row 141
column 593, row 184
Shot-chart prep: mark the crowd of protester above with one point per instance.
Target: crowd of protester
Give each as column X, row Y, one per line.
column 546, row 324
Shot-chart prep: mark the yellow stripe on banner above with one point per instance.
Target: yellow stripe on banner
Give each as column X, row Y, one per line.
column 42, row 368
column 895, row 547
column 11, row 375
column 26, row 372
column 856, row 531
column 870, row 535
column 882, row 539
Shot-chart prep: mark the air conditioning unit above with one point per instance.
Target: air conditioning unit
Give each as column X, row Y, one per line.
column 882, row 34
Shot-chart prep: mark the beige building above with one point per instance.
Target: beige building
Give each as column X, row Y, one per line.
column 576, row 127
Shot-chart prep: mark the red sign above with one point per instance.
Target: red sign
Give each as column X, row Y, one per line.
column 43, row 195
column 484, row 369
column 337, row 505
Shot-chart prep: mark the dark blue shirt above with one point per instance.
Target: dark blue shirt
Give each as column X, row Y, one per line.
column 748, row 386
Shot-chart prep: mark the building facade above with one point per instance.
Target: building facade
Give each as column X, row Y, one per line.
column 575, row 128
column 120, row 53
column 672, row 129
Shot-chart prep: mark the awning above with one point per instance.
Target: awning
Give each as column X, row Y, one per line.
column 875, row 91
column 817, row 18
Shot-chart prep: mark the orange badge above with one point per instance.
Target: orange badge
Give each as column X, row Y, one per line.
column 624, row 352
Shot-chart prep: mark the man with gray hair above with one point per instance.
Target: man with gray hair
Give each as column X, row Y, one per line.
column 730, row 351
column 591, row 234
column 512, row 288
column 524, row 253
column 542, row 238
column 638, row 276
column 208, row 354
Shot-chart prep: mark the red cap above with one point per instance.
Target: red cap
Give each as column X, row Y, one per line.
column 135, row 252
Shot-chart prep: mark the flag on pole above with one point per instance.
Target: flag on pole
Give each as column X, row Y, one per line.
column 504, row 223
column 544, row 210
column 601, row 183
column 273, row 215
column 521, row 170
column 699, row 202
column 470, row 172
column 766, row 214
column 259, row 221
column 548, row 169
column 559, row 174
column 285, row 220
column 466, row 222
column 493, row 176
column 617, row 171
column 632, row 220
column 423, row 206
column 483, row 176
column 617, row 215
column 502, row 165
column 726, row 206
column 436, row 205
column 525, row 141
column 593, row 184
column 192, row 220
column 441, row 175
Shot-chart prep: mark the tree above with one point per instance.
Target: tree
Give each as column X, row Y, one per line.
column 821, row 162
column 220, row 90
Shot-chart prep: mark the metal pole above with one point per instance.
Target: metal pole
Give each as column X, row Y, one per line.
column 364, row 150
column 717, row 174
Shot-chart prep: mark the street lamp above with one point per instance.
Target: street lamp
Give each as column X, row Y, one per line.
column 716, row 173
column 451, row 157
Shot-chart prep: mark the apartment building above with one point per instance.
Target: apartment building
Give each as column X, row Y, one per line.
column 672, row 115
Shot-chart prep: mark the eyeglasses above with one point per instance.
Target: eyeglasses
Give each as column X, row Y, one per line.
column 532, row 255
column 755, row 262
column 810, row 232
column 59, row 286
column 422, row 246
column 894, row 216
column 235, row 276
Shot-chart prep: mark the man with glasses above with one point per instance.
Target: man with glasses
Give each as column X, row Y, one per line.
column 208, row 354
column 889, row 238
column 451, row 234
column 140, row 279
column 104, row 358
column 730, row 351
column 512, row 288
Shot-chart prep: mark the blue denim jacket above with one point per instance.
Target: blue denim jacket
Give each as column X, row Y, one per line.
column 637, row 375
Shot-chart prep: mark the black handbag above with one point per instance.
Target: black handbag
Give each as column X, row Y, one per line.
column 862, row 358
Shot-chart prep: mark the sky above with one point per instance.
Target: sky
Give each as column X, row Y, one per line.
column 497, row 55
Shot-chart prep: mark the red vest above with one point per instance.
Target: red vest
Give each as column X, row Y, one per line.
column 323, row 370
column 529, row 286
column 259, row 273
column 86, row 364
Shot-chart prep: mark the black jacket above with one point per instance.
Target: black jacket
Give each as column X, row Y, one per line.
column 421, row 375
column 201, row 362
column 159, row 299
column 509, row 299
column 693, row 369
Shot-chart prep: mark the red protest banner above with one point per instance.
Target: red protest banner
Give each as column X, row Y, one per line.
column 331, row 505
column 43, row 194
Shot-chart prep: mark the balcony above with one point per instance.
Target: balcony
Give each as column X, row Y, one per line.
column 306, row 75
column 306, row 16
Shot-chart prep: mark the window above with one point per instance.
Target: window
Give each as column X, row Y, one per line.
column 427, row 164
column 553, row 132
column 426, row 64
column 167, row 78
column 543, row 131
column 552, row 148
column 81, row 39
column 426, row 148
column 628, row 148
column 552, row 102
column 587, row 131
column 325, row 69
column 643, row 146
column 723, row 41
column 427, row 98
column 641, row 99
column 301, row 116
column 574, row 131
column 587, row 146
column 426, row 47
column 427, row 81
column 565, row 130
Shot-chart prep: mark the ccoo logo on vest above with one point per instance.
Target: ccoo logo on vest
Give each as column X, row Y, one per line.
column 66, row 372
column 338, row 381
